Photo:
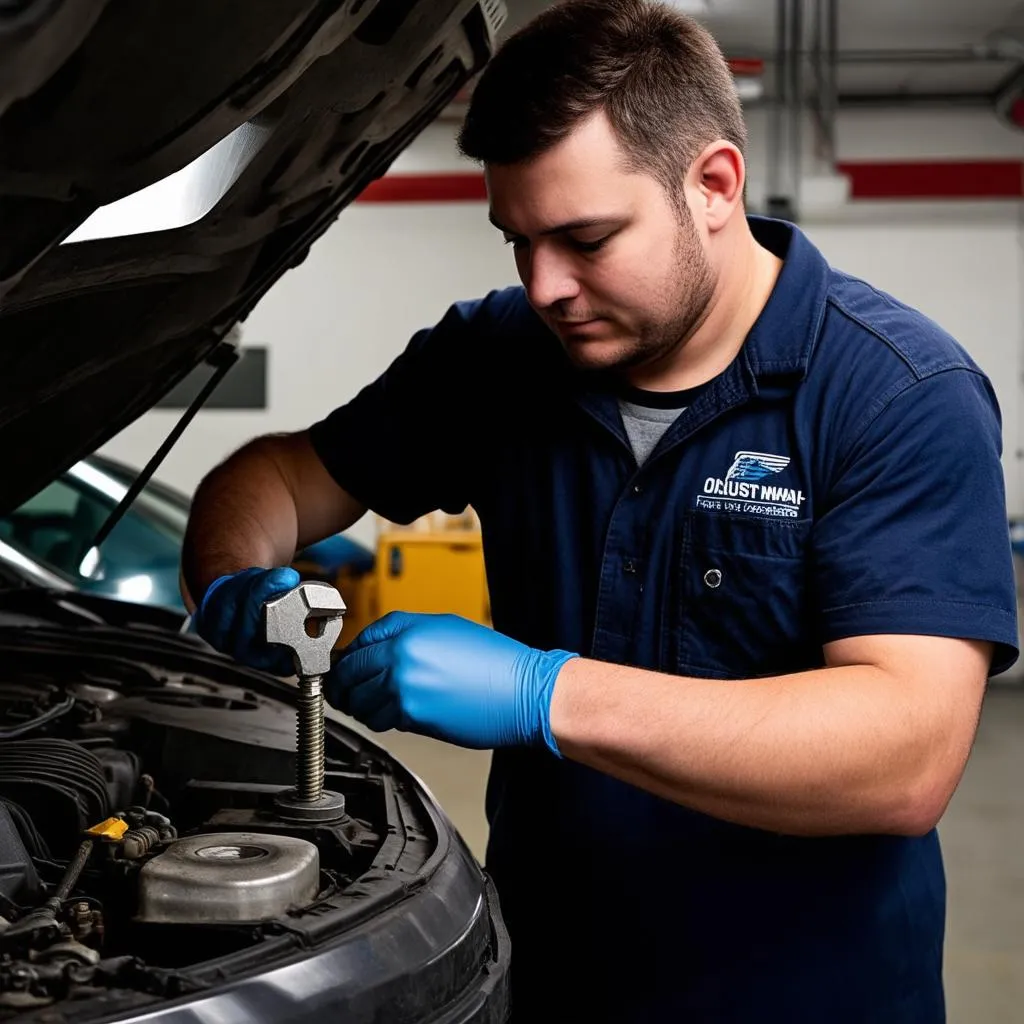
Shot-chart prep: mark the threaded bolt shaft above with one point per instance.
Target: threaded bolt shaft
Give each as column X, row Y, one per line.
column 309, row 764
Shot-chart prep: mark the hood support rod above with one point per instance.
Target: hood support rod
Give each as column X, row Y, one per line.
column 223, row 357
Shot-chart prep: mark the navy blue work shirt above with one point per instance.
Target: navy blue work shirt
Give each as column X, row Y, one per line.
column 841, row 477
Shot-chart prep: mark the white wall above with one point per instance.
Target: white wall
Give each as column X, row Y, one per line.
column 335, row 322
column 383, row 271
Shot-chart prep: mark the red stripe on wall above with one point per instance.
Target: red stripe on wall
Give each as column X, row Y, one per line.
column 746, row 65
column 426, row 188
column 949, row 179
column 952, row 179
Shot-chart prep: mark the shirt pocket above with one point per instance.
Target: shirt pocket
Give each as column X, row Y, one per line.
column 744, row 598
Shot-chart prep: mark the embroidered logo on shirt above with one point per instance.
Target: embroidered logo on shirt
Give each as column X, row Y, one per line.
column 750, row 466
column 741, row 491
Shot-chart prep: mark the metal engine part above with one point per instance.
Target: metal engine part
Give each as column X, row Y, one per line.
column 287, row 621
column 228, row 877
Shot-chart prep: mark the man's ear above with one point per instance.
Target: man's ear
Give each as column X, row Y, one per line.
column 719, row 176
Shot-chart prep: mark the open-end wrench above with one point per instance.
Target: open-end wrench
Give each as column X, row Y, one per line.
column 308, row 621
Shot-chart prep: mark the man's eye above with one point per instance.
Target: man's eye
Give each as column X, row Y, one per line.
column 590, row 246
column 516, row 243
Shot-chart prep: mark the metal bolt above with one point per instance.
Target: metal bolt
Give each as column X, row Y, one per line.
column 308, row 621
column 309, row 739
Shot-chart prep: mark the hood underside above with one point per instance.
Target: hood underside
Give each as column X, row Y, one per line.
column 276, row 113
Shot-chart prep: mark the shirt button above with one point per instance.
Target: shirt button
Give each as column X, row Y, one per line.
column 713, row 578
column 637, row 488
column 629, row 565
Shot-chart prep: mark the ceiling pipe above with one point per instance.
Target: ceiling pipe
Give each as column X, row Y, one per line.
column 800, row 184
column 961, row 55
column 785, row 143
column 916, row 100
column 796, row 102
column 777, row 104
column 895, row 100
column 832, row 59
column 824, row 72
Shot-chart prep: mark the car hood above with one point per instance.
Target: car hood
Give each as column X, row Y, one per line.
column 272, row 116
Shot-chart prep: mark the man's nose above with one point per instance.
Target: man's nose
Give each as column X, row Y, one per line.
column 548, row 278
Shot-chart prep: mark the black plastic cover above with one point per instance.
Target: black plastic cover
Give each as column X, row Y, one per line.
column 19, row 881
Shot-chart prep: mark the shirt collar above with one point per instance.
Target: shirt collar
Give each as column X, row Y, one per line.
column 779, row 345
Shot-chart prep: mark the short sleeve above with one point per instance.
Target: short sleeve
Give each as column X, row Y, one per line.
column 404, row 445
column 914, row 537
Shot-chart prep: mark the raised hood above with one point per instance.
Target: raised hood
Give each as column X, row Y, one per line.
column 276, row 113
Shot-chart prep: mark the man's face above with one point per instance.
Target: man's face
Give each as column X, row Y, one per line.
column 609, row 263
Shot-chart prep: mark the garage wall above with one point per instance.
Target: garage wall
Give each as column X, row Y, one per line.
column 384, row 270
column 966, row 274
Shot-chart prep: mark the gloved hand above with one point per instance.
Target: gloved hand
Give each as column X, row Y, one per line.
column 449, row 678
column 230, row 617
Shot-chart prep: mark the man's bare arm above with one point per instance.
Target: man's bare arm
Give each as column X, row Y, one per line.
column 269, row 499
column 874, row 743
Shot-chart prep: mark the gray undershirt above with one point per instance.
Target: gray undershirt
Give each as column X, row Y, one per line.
column 645, row 427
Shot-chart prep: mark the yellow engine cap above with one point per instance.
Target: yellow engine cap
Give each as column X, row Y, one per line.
column 112, row 828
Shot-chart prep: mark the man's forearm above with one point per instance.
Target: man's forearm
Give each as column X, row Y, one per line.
column 243, row 514
column 846, row 749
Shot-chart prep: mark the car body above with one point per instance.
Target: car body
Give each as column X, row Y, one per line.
column 149, row 871
column 139, row 559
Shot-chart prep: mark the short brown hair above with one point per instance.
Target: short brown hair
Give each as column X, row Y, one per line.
column 659, row 76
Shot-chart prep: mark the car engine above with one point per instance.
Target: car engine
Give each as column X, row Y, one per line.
column 138, row 834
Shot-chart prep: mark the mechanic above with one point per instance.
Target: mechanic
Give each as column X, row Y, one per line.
column 746, row 544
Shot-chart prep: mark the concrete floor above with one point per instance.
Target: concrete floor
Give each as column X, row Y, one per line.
column 982, row 835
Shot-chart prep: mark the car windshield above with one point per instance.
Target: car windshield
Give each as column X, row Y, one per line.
column 138, row 561
column 49, row 538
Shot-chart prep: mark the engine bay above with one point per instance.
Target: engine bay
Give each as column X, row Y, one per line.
column 138, row 830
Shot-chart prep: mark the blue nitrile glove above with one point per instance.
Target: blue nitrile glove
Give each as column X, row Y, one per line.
column 230, row 617
column 449, row 678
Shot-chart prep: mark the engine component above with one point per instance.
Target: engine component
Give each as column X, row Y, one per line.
column 86, row 923
column 123, row 774
column 137, row 842
column 30, row 835
column 148, row 829
column 67, row 786
column 287, row 621
column 41, row 925
column 25, row 985
column 74, row 870
column 63, row 784
column 19, row 881
column 29, row 704
column 228, row 877
column 112, row 830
